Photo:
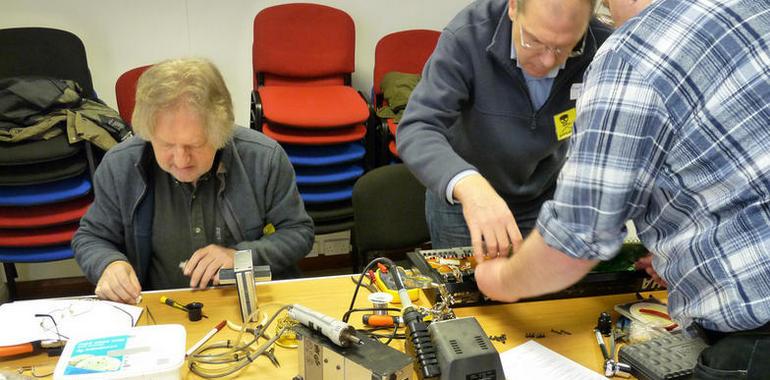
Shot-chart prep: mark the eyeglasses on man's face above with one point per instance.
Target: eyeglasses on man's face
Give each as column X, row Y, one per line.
column 530, row 43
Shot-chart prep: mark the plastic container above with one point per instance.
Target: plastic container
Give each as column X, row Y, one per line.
column 145, row 352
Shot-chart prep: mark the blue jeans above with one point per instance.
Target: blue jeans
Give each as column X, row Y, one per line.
column 447, row 226
column 446, row 223
column 736, row 356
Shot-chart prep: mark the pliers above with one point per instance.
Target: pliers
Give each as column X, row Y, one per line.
column 370, row 286
column 271, row 355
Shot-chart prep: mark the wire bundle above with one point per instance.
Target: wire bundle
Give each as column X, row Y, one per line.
column 233, row 355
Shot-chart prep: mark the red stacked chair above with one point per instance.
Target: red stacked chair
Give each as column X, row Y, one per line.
column 303, row 57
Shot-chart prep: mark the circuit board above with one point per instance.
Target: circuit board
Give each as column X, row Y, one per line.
column 454, row 267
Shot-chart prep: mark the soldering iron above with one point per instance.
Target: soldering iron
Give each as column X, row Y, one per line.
column 341, row 333
column 417, row 330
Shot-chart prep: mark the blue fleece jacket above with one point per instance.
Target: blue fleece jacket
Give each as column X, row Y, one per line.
column 472, row 110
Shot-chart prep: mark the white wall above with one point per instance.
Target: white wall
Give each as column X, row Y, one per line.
column 121, row 34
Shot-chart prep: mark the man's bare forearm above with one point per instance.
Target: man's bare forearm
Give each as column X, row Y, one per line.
column 535, row 269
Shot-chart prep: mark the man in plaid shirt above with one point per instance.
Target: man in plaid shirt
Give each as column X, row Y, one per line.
column 673, row 132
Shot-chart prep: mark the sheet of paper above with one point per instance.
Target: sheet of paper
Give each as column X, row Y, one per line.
column 532, row 360
column 72, row 316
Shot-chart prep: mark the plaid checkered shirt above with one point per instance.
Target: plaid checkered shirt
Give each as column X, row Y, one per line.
column 673, row 132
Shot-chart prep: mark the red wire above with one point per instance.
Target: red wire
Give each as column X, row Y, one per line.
column 660, row 314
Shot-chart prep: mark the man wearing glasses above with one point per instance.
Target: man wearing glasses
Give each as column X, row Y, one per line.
column 486, row 129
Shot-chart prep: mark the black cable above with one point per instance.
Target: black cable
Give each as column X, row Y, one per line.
column 417, row 330
column 393, row 335
column 133, row 323
column 391, row 267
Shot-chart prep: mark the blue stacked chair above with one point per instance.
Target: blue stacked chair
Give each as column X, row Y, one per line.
column 325, row 177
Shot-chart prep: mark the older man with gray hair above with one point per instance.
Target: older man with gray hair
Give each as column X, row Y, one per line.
column 191, row 187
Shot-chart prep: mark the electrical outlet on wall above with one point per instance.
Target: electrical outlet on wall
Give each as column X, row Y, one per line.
column 337, row 247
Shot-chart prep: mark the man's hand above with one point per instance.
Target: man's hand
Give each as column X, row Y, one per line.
column 492, row 281
column 205, row 263
column 646, row 264
column 489, row 219
column 119, row 283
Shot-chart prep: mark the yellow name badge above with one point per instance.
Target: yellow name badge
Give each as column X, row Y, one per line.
column 563, row 123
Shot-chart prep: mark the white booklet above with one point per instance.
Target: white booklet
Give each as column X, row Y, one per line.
column 531, row 360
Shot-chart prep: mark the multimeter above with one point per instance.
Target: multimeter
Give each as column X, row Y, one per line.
column 384, row 281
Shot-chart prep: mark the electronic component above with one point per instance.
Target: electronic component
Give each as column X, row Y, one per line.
column 465, row 351
column 341, row 333
column 604, row 323
column 385, row 283
column 454, row 268
column 244, row 281
column 321, row 359
column 672, row 356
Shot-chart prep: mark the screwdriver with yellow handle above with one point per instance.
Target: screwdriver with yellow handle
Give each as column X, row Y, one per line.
column 174, row 304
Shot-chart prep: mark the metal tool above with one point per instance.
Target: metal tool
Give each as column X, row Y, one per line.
column 244, row 281
column 369, row 286
column 341, row 333
column 262, row 273
column 611, row 367
column 271, row 355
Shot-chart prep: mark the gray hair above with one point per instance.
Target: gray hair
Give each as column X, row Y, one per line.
column 193, row 82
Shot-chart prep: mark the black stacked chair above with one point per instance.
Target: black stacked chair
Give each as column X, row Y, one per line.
column 45, row 183
column 389, row 210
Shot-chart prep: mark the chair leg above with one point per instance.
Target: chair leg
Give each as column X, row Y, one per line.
column 10, row 276
column 355, row 259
